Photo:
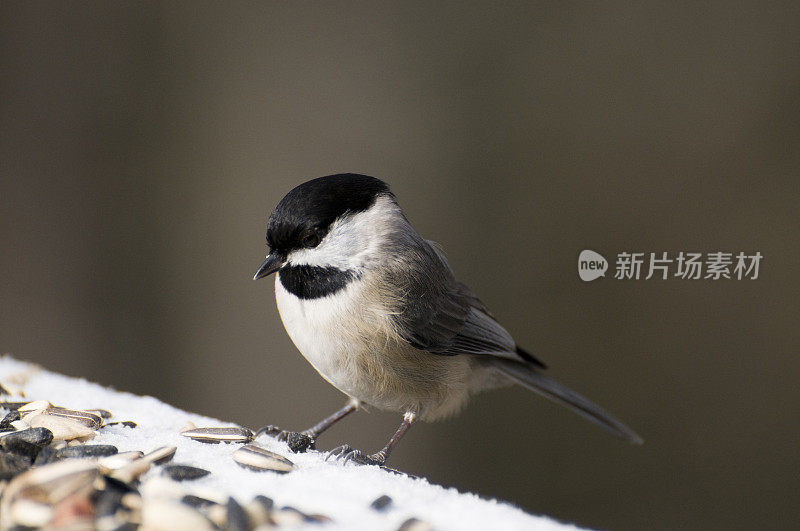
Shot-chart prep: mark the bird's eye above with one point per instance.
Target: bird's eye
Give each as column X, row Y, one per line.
column 312, row 240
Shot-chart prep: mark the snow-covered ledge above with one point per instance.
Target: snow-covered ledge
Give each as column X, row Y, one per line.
column 315, row 486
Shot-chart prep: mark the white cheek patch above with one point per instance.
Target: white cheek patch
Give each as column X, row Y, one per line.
column 351, row 240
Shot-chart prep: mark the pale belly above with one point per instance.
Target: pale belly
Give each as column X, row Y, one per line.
column 316, row 327
column 386, row 373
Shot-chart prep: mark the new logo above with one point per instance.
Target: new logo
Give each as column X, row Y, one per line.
column 591, row 265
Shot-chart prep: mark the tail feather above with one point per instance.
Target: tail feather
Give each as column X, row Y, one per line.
column 532, row 379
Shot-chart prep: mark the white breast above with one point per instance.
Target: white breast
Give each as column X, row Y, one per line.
column 319, row 329
column 352, row 342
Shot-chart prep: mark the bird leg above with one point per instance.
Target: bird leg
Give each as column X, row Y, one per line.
column 301, row 441
column 378, row 458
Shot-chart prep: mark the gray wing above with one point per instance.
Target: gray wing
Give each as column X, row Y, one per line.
column 442, row 316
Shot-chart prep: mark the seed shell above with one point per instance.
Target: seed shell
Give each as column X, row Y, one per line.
column 184, row 472
column 257, row 458
column 236, row 516
column 63, row 428
column 381, row 503
column 217, row 435
column 27, row 443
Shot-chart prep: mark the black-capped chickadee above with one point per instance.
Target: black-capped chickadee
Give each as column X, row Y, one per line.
column 375, row 308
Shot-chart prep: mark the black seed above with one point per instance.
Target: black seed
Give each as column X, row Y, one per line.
column 88, row 450
column 299, row 442
column 237, row 518
column 13, row 405
column 197, row 502
column 11, row 465
column 184, row 472
column 125, row 423
column 108, row 502
column 298, row 512
column 46, row 455
column 381, row 503
column 119, row 486
column 5, row 424
column 28, row 442
column 265, row 502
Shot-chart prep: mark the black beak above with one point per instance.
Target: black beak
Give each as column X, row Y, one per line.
column 273, row 262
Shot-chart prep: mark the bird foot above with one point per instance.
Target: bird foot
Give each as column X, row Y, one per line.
column 298, row 442
column 345, row 453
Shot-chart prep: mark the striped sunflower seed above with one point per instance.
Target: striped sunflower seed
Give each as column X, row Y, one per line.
column 257, row 458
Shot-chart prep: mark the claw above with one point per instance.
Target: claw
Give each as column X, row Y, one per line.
column 347, row 454
column 353, row 455
column 338, row 451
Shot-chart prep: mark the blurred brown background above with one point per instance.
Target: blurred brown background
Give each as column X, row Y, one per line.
column 143, row 145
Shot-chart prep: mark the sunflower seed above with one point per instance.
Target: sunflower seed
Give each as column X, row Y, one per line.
column 258, row 511
column 90, row 420
column 88, row 450
column 159, row 456
column 207, row 493
column 12, row 465
column 12, row 416
column 109, row 499
column 265, row 502
column 184, row 472
column 125, row 423
column 20, row 425
column 288, row 516
column 63, row 428
column 166, row 515
column 236, row 516
column 196, row 501
column 216, row 435
column 49, row 484
column 381, row 503
column 48, row 454
column 218, row 513
column 102, row 413
column 136, row 468
column 27, row 443
column 12, row 405
column 256, row 458
column 113, row 462
column 319, row 518
column 161, row 487
column 33, row 406
column 414, row 524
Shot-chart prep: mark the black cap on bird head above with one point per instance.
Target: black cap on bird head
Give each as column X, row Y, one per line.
column 304, row 215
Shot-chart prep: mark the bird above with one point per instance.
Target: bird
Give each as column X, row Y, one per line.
column 376, row 309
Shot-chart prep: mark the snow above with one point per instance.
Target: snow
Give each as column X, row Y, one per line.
column 342, row 492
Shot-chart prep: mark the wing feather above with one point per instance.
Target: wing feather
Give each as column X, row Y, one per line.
column 442, row 316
